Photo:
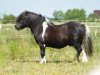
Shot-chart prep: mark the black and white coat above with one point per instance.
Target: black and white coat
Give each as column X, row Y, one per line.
column 47, row 34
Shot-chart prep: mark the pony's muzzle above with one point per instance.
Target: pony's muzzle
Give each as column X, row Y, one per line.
column 17, row 27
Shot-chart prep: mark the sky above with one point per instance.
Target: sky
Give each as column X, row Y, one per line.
column 46, row 7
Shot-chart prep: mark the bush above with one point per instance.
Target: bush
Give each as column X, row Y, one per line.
column 8, row 19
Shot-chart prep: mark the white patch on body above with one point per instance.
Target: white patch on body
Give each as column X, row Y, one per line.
column 45, row 25
column 84, row 58
column 47, row 21
column 43, row 60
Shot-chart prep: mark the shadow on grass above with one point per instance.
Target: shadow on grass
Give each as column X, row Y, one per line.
column 55, row 61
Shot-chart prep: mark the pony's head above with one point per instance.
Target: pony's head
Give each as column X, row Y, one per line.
column 25, row 19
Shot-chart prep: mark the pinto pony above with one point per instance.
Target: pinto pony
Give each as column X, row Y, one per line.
column 47, row 34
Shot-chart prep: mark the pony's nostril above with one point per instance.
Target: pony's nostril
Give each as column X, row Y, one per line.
column 15, row 26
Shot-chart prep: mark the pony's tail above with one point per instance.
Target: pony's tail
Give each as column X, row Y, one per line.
column 87, row 42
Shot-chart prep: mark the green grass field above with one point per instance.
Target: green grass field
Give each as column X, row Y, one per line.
column 20, row 55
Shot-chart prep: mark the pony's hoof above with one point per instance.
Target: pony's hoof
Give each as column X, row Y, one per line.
column 84, row 61
column 42, row 62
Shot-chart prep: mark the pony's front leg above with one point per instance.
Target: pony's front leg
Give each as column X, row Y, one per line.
column 42, row 52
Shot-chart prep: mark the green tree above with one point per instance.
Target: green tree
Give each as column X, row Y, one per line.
column 68, row 15
column 75, row 14
column 58, row 15
column 93, row 16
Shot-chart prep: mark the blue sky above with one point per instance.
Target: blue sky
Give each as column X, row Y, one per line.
column 46, row 7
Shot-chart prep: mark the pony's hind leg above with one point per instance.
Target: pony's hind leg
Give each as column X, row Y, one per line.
column 79, row 50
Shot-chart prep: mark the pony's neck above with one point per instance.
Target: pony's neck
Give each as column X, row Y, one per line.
column 36, row 23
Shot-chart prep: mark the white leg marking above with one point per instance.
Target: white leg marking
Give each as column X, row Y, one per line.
column 44, row 45
column 43, row 60
column 84, row 58
column 44, row 28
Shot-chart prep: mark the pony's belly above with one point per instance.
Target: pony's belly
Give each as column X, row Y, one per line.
column 56, row 45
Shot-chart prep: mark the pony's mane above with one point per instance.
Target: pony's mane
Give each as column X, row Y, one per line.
column 23, row 14
column 50, row 23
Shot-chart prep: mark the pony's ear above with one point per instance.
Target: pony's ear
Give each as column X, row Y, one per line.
column 26, row 12
column 40, row 15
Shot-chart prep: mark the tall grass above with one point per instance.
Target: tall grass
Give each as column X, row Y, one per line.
column 19, row 54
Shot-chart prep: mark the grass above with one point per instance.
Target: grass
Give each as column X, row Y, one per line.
column 19, row 55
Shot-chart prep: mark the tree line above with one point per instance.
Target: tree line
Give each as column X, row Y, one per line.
column 59, row 15
column 74, row 14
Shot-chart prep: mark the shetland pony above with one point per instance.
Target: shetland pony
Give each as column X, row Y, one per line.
column 47, row 34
